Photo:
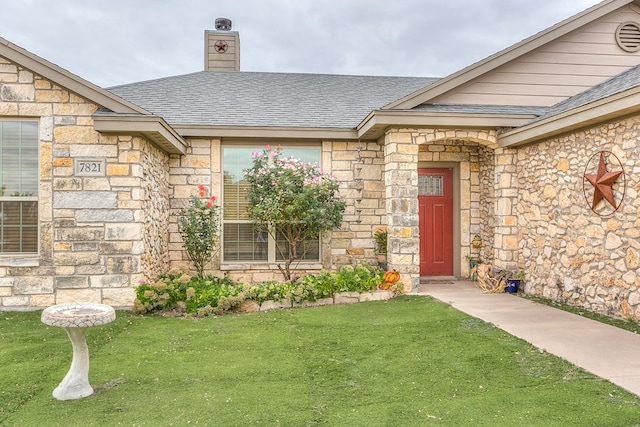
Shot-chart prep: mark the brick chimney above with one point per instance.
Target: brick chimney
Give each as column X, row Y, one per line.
column 222, row 47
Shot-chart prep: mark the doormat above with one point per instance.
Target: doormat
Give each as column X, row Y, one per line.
column 435, row 282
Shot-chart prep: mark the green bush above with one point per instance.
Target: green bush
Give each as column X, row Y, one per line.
column 163, row 294
column 312, row 287
column 217, row 295
column 362, row 278
column 213, row 294
column 194, row 293
column 268, row 291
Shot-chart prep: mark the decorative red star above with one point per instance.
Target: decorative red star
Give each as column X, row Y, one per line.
column 221, row 46
column 602, row 183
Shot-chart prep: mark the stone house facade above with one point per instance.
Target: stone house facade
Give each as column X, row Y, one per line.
column 498, row 150
column 584, row 259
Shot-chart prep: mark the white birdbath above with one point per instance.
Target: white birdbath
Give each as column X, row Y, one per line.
column 75, row 318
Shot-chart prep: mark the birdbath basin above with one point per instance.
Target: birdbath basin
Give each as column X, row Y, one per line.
column 75, row 318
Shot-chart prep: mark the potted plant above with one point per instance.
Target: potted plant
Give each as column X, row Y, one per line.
column 474, row 260
column 513, row 280
column 380, row 240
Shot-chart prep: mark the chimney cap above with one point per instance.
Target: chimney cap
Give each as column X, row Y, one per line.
column 223, row 24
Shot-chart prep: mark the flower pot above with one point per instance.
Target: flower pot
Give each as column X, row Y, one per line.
column 473, row 271
column 512, row 286
column 382, row 261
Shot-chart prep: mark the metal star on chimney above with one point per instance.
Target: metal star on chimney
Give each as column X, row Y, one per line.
column 602, row 183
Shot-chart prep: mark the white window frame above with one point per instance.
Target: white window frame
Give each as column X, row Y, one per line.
column 24, row 259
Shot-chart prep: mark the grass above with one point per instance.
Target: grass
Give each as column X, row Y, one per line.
column 410, row 361
column 627, row 324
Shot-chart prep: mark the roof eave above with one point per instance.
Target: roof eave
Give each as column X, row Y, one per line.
column 506, row 55
column 592, row 114
column 376, row 123
column 265, row 132
column 64, row 78
column 153, row 128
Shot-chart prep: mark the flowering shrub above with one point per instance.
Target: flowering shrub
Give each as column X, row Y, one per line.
column 199, row 226
column 163, row 294
column 292, row 201
column 159, row 295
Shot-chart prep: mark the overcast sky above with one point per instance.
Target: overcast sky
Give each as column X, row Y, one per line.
column 111, row 42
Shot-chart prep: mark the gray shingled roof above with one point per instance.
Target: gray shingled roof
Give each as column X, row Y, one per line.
column 267, row 99
column 481, row 109
column 619, row 83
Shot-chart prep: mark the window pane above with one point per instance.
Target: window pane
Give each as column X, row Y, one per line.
column 10, row 240
column 309, row 251
column 29, row 239
column 29, row 159
column 242, row 243
column 10, row 154
column 29, row 212
column 11, row 214
column 18, row 226
column 18, row 187
column 236, row 160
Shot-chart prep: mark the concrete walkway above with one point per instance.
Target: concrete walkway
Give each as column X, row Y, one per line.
column 606, row 351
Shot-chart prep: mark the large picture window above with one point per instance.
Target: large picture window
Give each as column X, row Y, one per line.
column 240, row 240
column 18, row 187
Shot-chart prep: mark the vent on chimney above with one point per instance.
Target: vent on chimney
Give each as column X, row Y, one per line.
column 223, row 24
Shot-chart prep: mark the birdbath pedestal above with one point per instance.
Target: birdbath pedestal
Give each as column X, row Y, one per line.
column 75, row 318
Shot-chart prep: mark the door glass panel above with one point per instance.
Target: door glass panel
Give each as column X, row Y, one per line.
column 430, row 185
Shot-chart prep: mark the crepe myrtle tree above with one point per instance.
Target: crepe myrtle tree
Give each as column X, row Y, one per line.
column 293, row 201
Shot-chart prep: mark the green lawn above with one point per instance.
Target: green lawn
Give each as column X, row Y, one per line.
column 410, row 361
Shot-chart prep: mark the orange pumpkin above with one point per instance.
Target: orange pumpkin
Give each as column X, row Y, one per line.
column 389, row 278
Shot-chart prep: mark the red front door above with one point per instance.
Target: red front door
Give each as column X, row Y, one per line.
column 435, row 200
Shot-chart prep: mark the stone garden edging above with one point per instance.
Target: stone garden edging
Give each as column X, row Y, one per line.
column 339, row 298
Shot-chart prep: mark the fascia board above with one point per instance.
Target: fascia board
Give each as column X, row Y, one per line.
column 379, row 119
column 151, row 127
column 592, row 114
column 264, row 132
column 64, row 78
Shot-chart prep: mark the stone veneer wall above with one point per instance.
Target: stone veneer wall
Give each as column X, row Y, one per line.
column 155, row 208
column 486, row 202
column 95, row 232
column 200, row 166
column 570, row 254
column 408, row 149
column 506, row 198
column 477, row 175
column 359, row 167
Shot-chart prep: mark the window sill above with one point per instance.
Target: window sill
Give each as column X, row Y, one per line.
column 268, row 266
column 19, row 261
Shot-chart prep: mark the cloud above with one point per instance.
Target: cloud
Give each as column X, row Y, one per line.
column 122, row 41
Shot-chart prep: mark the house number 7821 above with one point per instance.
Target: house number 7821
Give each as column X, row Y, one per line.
column 89, row 167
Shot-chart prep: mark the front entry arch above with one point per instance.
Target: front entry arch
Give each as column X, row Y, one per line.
column 435, row 204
